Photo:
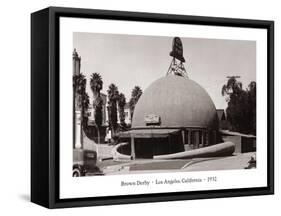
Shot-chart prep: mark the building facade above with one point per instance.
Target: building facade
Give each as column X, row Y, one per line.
column 77, row 128
column 174, row 114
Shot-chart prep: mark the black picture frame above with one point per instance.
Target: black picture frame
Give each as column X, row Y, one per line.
column 45, row 106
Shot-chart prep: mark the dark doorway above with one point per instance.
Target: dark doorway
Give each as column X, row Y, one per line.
column 144, row 148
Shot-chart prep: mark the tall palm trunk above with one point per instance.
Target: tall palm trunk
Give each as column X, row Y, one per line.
column 73, row 118
column 96, row 86
column 81, row 126
column 95, row 96
column 98, row 129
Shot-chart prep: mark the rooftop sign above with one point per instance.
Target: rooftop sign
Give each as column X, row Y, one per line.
column 152, row 119
column 177, row 50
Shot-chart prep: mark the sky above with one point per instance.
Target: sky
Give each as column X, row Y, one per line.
column 130, row 60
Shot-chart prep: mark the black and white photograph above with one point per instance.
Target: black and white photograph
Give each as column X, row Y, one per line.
column 162, row 104
column 140, row 107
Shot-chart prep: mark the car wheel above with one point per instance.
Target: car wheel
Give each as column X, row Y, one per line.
column 76, row 172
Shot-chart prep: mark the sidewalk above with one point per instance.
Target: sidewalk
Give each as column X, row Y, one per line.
column 197, row 164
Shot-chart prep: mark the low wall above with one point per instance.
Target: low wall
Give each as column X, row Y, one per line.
column 118, row 152
column 243, row 144
column 218, row 150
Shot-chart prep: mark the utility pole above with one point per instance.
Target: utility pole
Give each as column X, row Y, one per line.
column 235, row 77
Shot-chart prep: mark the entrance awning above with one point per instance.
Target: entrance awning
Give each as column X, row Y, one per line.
column 148, row 133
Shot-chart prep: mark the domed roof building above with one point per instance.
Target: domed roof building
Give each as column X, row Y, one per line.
column 174, row 114
column 179, row 102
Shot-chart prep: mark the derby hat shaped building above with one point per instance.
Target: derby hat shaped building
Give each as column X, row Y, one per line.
column 174, row 114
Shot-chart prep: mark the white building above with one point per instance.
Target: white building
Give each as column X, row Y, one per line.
column 128, row 115
column 91, row 113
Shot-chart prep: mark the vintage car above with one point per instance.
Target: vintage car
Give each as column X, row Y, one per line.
column 84, row 161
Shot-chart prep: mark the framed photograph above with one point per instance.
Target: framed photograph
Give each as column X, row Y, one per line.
column 132, row 107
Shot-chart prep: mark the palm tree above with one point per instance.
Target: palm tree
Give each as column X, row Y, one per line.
column 135, row 95
column 96, row 84
column 252, row 105
column 81, row 101
column 85, row 105
column 232, row 87
column 252, row 86
column 232, row 91
column 121, row 105
column 113, row 96
column 240, row 109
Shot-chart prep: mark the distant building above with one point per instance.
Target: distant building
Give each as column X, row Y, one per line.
column 127, row 112
column 105, row 119
column 128, row 116
column 243, row 142
column 76, row 60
